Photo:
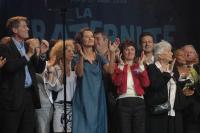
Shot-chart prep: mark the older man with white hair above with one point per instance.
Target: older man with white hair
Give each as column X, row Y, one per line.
column 192, row 112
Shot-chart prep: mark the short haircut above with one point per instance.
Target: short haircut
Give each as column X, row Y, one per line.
column 160, row 47
column 105, row 36
column 125, row 45
column 145, row 34
column 13, row 22
column 195, row 52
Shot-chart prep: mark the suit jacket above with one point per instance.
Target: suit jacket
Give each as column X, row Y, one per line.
column 13, row 77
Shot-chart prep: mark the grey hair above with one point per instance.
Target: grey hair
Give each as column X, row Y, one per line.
column 191, row 46
column 160, row 47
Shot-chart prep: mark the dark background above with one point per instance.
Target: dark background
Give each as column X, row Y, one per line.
column 140, row 15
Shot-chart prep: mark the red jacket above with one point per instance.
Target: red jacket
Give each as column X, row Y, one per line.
column 140, row 79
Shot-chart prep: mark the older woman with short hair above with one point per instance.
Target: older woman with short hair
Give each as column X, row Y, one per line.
column 163, row 88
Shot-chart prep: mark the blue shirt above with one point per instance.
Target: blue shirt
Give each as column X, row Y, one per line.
column 22, row 51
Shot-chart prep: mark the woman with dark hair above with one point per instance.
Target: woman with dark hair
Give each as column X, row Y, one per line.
column 89, row 101
column 130, row 79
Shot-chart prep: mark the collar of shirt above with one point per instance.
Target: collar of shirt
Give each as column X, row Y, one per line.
column 18, row 44
column 190, row 66
column 158, row 65
column 151, row 61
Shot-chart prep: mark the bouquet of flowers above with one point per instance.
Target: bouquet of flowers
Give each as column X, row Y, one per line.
column 193, row 79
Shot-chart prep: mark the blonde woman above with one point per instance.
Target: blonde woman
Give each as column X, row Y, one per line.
column 54, row 78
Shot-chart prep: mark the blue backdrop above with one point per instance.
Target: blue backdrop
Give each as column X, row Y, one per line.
column 172, row 20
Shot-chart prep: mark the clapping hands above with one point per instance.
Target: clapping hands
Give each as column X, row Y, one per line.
column 33, row 43
column 36, row 46
column 113, row 46
column 142, row 58
column 2, row 61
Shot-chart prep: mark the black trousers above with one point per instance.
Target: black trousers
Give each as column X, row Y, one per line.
column 131, row 115
column 22, row 120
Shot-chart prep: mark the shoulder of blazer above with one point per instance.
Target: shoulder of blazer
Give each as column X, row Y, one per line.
column 13, row 49
column 9, row 45
column 5, row 41
column 153, row 70
column 152, row 67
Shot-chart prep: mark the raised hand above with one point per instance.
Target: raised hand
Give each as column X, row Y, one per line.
column 79, row 50
column 2, row 61
column 142, row 58
column 113, row 47
column 171, row 66
column 44, row 46
column 33, row 43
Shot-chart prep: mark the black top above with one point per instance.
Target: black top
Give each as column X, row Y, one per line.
column 157, row 92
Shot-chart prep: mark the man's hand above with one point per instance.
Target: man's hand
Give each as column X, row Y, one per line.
column 33, row 43
column 2, row 61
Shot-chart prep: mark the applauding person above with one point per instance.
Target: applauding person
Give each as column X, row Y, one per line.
column 130, row 79
column 19, row 92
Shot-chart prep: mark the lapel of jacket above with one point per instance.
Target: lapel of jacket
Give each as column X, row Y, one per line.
column 14, row 49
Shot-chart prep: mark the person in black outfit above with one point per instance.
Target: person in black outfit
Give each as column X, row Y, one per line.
column 19, row 92
column 192, row 111
column 163, row 87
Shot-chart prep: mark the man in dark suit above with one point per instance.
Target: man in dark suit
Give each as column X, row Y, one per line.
column 18, row 90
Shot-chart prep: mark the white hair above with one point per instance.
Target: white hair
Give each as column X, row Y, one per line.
column 190, row 46
column 160, row 47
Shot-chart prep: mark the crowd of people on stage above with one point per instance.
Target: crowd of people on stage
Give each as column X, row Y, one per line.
column 111, row 87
